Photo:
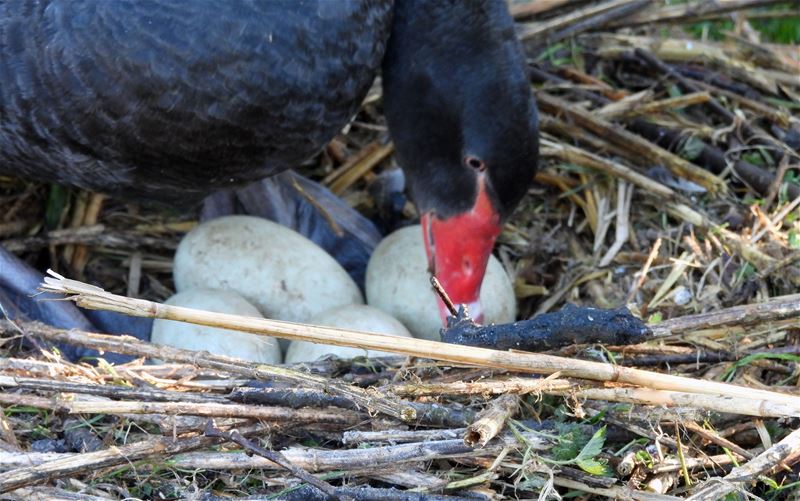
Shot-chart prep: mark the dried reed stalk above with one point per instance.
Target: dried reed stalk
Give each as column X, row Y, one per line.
column 88, row 296
column 69, row 464
column 492, row 420
column 751, row 406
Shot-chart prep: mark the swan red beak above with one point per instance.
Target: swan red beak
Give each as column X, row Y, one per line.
column 458, row 251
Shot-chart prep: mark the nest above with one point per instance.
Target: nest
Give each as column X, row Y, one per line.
column 670, row 139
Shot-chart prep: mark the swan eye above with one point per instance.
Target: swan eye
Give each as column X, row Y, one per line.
column 474, row 162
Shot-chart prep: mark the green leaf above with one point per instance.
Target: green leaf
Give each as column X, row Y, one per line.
column 794, row 239
column 726, row 376
column 57, row 201
column 534, row 482
column 781, row 29
column 550, row 52
column 691, row 148
column 791, row 105
column 755, row 158
column 587, row 457
column 594, row 447
column 598, row 418
column 747, row 271
column 567, row 448
column 645, row 458
column 711, row 30
column 594, row 466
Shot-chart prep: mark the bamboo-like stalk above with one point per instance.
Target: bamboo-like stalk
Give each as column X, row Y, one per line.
column 42, row 492
column 637, row 108
column 767, row 461
column 395, row 436
column 316, row 460
column 613, row 492
column 359, row 168
column 88, row 296
column 774, row 311
column 354, row 159
column 751, row 406
column 669, row 465
column 339, row 417
column 372, row 400
column 714, row 437
column 517, row 385
column 69, row 464
column 492, row 420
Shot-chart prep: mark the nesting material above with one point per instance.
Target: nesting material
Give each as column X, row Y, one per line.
column 261, row 349
column 398, row 283
column 356, row 317
column 285, row 275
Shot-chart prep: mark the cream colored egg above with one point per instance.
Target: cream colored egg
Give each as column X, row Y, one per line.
column 357, row 317
column 285, row 275
column 261, row 349
column 398, row 283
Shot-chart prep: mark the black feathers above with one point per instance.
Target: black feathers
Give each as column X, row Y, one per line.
column 169, row 100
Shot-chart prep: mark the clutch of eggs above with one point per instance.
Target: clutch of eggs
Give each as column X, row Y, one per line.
column 251, row 266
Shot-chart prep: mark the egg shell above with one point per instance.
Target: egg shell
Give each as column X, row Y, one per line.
column 284, row 274
column 357, row 317
column 261, row 349
column 398, row 283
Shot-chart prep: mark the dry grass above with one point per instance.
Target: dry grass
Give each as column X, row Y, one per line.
column 668, row 183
